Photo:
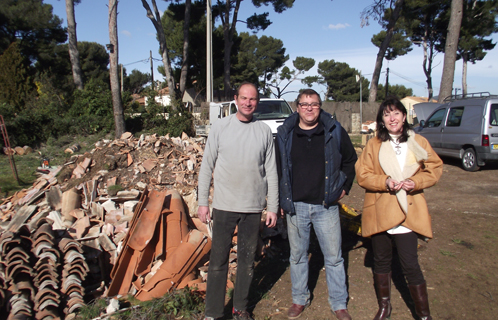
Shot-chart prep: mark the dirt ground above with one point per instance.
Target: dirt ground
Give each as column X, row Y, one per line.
column 459, row 263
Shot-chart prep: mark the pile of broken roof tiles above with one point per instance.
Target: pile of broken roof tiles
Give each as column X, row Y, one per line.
column 62, row 248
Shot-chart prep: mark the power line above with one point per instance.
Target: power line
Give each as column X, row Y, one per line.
column 408, row 79
column 143, row 61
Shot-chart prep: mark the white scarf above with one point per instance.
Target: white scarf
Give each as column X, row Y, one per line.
column 414, row 157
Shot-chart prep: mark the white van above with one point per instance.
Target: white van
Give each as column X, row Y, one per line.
column 466, row 128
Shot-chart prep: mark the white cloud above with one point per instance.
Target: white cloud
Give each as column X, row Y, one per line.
column 338, row 26
column 126, row 33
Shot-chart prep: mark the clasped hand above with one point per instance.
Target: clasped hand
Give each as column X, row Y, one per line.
column 393, row 185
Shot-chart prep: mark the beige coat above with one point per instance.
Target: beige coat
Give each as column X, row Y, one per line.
column 383, row 210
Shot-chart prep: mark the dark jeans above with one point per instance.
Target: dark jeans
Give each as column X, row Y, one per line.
column 406, row 244
column 224, row 223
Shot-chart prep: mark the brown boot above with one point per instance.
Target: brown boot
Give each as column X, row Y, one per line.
column 419, row 296
column 382, row 282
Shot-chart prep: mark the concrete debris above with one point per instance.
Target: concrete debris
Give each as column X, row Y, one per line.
column 67, row 239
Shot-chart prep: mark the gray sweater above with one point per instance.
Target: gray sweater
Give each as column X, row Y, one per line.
column 242, row 157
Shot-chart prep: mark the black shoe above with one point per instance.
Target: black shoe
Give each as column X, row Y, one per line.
column 241, row 315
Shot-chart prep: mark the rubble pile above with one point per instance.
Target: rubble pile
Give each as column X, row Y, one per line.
column 106, row 223
column 114, row 221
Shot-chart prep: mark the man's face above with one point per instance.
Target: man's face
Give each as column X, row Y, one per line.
column 247, row 101
column 309, row 110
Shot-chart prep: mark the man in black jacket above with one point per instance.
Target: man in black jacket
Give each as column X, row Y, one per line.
column 316, row 160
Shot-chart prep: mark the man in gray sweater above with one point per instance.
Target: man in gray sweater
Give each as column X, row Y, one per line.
column 240, row 157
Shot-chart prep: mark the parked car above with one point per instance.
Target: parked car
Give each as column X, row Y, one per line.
column 273, row 112
column 422, row 111
column 466, row 128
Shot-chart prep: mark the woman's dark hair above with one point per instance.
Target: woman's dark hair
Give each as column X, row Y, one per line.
column 391, row 103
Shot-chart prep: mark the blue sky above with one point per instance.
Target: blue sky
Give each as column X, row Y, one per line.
column 319, row 29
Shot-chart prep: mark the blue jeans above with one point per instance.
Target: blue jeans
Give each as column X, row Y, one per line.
column 327, row 227
column 224, row 223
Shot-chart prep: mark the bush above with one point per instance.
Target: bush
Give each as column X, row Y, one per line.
column 92, row 109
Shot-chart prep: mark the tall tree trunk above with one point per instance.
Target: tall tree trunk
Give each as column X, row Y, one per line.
column 450, row 50
column 186, row 42
column 382, row 50
column 74, row 55
column 228, row 32
column 155, row 18
column 427, row 66
column 117, row 103
column 464, row 74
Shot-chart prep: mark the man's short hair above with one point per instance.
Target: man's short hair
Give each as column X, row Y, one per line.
column 308, row 92
column 247, row 83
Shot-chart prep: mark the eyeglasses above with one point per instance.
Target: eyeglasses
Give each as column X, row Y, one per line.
column 314, row 105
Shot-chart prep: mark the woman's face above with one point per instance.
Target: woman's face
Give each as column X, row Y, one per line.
column 393, row 120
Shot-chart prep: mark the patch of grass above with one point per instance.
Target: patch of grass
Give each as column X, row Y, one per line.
column 26, row 172
column 473, row 276
column 466, row 244
column 490, row 236
column 446, row 253
column 230, row 293
column 26, row 165
column 179, row 304
column 356, row 140
column 92, row 310
column 114, row 189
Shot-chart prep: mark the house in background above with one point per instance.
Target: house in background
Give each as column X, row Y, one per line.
column 408, row 102
column 162, row 97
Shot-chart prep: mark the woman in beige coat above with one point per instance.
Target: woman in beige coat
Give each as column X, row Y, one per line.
column 394, row 169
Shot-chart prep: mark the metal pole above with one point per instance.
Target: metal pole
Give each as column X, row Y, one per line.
column 152, row 71
column 209, row 51
column 10, row 153
column 121, row 78
column 387, row 82
column 361, row 107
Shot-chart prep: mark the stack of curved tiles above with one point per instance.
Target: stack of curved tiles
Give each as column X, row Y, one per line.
column 33, row 282
column 73, row 274
column 47, row 299
column 17, row 275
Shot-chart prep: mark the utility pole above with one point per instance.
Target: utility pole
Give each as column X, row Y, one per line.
column 387, row 81
column 152, row 70
column 209, row 53
column 121, row 78
column 358, row 78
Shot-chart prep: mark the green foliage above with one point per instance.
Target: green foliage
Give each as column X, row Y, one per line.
column 135, row 82
column 93, row 60
column 340, row 80
column 33, row 25
column 160, row 119
column 26, row 171
column 153, row 115
column 173, row 22
column 399, row 91
column 92, row 310
column 179, row 304
column 258, row 59
column 114, row 189
column 92, row 109
column 15, row 81
column 180, row 121
column 258, row 22
column 399, row 45
column 301, row 65
column 478, row 22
